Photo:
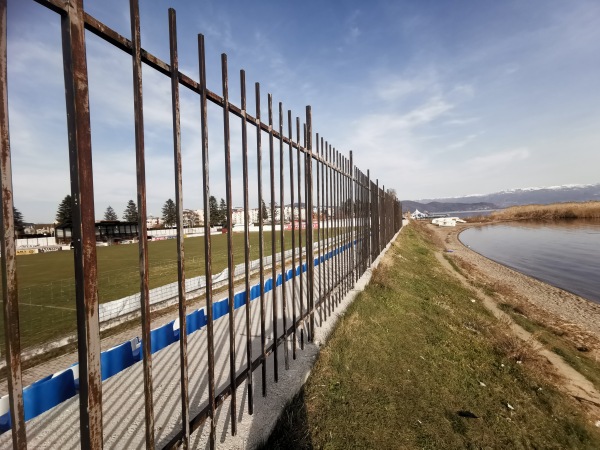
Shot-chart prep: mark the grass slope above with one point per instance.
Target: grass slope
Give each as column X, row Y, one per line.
column 415, row 363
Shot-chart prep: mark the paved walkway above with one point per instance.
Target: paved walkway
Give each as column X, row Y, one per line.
column 123, row 394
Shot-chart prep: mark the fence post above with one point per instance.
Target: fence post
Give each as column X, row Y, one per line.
column 142, row 226
column 10, row 294
column 82, row 193
column 183, row 362
column 309, row 234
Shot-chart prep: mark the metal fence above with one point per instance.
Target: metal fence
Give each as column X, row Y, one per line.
column 366, row 218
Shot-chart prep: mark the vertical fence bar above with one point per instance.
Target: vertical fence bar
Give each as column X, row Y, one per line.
column 347, row 207
column 291, row 158
column 180, row 248
column 349, row 242
column 10, row 292
column 273, row 236
column 207, row 241
column 345, row 235
column 300, row 231
column 327, row 228
column 140, row 161
column 336, row 189
column 282, row 241
column 310, row 258
column 352, row 219
column 230, row 266
column 381, row 221
column 318, row 230
column 369, row 218
column 347, row 199
column 261, row 239
column 84, row 233
column 330, row 231
column 246, row 243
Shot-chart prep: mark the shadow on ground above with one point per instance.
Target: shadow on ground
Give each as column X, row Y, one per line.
column 292, row 430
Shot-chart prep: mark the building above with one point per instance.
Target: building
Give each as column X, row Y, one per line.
column 109, row 231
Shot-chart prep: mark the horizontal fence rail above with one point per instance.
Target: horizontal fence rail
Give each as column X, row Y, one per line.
column 271, row 305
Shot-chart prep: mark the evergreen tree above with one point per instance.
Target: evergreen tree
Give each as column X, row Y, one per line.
column 215, row 213
column 222, row 213
column 264, row 212
column 131, row 213
column 169, row 213
column 18, row 221
column 110, row 214
column 64, row 215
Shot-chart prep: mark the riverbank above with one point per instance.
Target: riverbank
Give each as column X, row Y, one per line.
column 547, row 303
column 420, row 361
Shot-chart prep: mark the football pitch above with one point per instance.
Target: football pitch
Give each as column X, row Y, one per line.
column 46, row 281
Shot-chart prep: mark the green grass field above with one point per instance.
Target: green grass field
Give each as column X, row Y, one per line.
column 47, row 284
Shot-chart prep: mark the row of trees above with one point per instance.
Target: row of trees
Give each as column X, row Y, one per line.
column 218, row 213
column 64, row 214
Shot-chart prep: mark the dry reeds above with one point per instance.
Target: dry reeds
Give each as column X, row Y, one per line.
column 572, row 210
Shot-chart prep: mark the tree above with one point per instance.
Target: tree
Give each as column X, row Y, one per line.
column 18, row 221
column 264, row 212
column 223, row 212
column 110, row 214
column 131, row 213
column 169, row 213
column 64, row 215
column 215, row 214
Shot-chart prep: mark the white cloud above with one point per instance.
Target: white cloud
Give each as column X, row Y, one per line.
column 461, row 121
column 498, row 160
column 462, row 142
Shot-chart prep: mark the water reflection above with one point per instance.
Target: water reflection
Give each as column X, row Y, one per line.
column 562, row 253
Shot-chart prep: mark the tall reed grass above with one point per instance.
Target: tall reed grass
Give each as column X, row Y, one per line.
column 555, row 211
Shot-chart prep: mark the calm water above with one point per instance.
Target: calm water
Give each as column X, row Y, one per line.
column 564, row 254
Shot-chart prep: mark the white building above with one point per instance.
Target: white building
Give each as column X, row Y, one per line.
column 152, row 221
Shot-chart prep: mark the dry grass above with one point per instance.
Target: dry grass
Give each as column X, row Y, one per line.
column 582, row 210
column 415, row 363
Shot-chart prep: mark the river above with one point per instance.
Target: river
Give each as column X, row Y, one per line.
column 565, row 254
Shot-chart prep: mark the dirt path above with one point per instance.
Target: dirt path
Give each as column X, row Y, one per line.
column 573, row 382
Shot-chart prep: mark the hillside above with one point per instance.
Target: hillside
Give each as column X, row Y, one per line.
column 521, row 196
column 439, row 207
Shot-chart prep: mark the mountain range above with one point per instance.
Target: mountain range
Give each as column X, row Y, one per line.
column 511, row 197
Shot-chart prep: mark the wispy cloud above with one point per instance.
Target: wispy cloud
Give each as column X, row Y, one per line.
column 461, row 121
column 498, row 160
column 462, row 142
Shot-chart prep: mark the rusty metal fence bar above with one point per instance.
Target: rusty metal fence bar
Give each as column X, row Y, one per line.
column 353, row 220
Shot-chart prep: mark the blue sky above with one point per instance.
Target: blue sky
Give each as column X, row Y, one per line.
column 436, row 98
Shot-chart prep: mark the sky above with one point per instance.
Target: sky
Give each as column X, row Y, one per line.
column 434, row 98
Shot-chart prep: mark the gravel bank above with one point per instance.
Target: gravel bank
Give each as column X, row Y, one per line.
column 571, row 313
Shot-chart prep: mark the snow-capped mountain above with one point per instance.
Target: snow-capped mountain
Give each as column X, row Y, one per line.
column 525, row 196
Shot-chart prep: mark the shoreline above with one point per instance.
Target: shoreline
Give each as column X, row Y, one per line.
column 551, row 305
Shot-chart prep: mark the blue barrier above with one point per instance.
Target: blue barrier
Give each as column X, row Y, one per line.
column 192, row 322
column 162, row 337
column 116, row 359
column 43, row 395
